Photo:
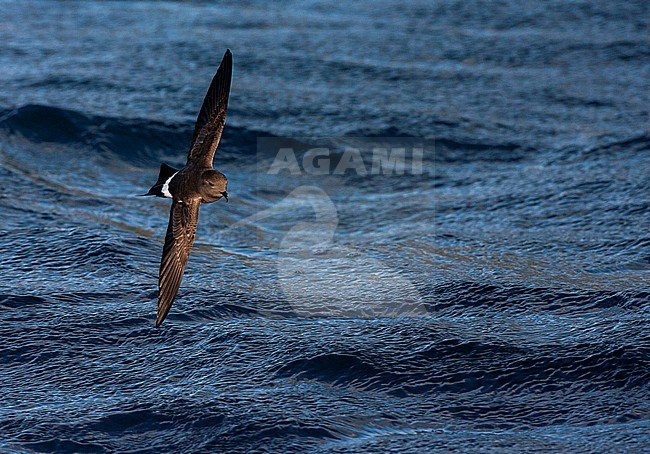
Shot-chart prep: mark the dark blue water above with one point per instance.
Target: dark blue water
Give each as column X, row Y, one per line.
column 497, row 300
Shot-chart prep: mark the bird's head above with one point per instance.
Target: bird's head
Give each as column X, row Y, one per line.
column 214, row 185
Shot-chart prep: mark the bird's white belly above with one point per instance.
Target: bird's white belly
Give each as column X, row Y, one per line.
column 165, row 188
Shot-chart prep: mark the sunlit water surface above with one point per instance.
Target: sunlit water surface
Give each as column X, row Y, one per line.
column 496, row 301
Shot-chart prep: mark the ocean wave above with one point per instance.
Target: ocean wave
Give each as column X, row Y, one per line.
column 143, row 142
column 136, row 141
column 459, row 296
column 458, row 366
column 632, row 147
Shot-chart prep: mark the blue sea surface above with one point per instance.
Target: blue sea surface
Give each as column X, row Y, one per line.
column 495, row 300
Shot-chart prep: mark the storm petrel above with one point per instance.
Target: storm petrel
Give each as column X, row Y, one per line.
column 196, row 183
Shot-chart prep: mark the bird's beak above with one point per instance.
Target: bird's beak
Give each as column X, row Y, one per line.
column 225, row 195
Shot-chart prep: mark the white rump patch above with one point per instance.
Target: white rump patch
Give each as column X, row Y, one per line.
column 165, row 188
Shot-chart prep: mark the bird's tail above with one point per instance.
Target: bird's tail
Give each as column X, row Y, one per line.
column 166, row 172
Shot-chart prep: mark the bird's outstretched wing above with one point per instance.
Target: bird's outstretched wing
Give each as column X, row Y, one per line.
column 178, row 242
column 212, row 116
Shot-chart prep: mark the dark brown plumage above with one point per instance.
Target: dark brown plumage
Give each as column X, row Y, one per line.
column 179, row 239
column 212, row 116
column 193, row 185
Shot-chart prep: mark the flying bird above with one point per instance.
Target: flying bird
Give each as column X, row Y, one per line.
column 196, row 183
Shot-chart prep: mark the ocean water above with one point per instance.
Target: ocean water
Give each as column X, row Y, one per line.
column 492, row 296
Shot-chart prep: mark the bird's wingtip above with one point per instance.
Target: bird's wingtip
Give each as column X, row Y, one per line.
column 161, row 315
